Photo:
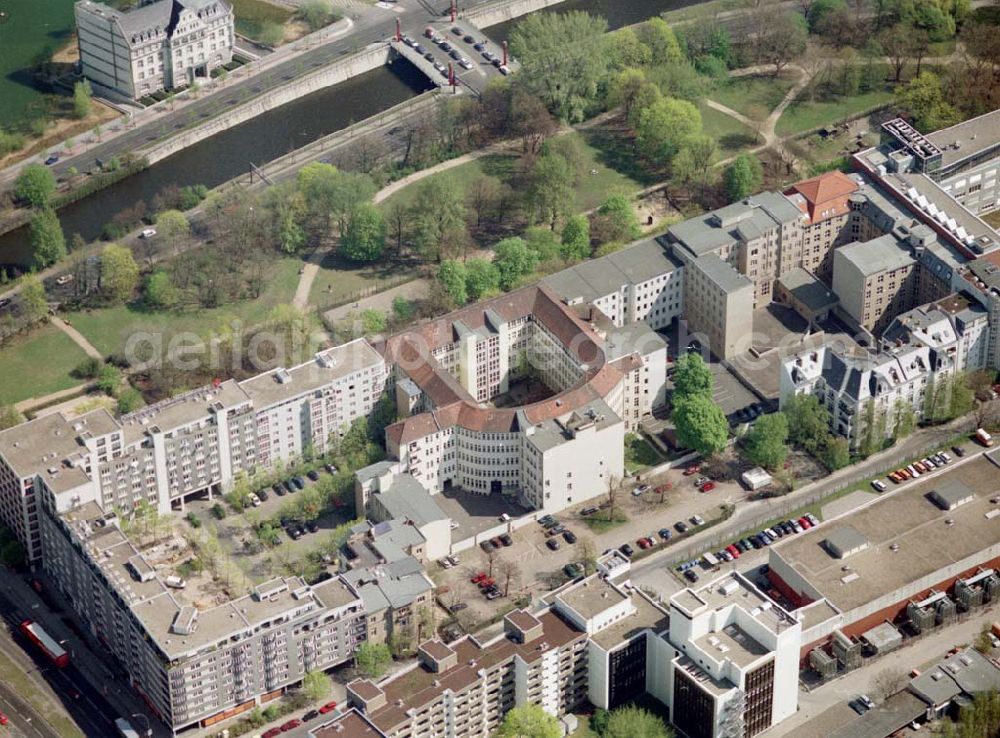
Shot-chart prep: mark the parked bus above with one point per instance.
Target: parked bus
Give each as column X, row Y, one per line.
column 46, row 643
column 984, row 438
column 125, row 729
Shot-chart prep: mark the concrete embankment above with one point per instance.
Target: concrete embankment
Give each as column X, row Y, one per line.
column 502, row 11
column 333, row 74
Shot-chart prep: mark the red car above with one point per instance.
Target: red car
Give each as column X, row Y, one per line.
column 293, row 723
column 328, row 707
column 272, row 733
column 478, row 578
column 708, row 486
column 692, row 470
column 643, row 543
column 3, row 719
column 806, row 525
column 487, row 582
column 733, row 551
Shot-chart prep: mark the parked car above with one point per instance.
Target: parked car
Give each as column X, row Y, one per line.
column 643, row 543
column 311, row 715
column 879, row 485
column 456, row 30
column 254, row 499
column 589, row 511
column 313, row 475
column 692, row 469
column 944, row 455
column 457, row 607
column 556, row 529
column 299, row 482
column 627, row 550
column 665, row 534
column 866, row 701
column 487, row 547
column 643, row 488
column 271, row 733
column 328, row 707
column 445, row 46
column 707, row 486
column 147, row 233
column 329, row 468
column 958, row 451
column 290, row 725
column 697, row 520
column 733, row 551
column 468, row 39
column 494, row 594
column 569, row 536
column 51, row 159
column 573, row 570
column 680, row 526
column 812, row 519
column 691, row 575
column 312, row 526
column 546, row 519
column 553, row 544
column 487, row 583
column 262, row 494
column 278, row 490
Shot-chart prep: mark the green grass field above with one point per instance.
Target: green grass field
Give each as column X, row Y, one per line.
column 639, row 454
column 108, row 329
column 338, row 280
column 38, row 365
column 253, row 15
column 32, row 31
column 732, row 135
column 803, row 115
column 753, row 94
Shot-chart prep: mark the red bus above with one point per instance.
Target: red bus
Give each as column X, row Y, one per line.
column 37, row 635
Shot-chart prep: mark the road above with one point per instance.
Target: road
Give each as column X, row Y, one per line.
column 372, row 25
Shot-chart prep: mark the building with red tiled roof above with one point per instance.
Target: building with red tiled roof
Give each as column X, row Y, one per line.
column 583, row 382
column 825, row 200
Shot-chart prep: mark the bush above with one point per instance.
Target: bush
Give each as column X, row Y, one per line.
column 87, row 369
column 193, row 520
column 129, row 400
column 271, row 34
column 218, row 511
column 109, row 378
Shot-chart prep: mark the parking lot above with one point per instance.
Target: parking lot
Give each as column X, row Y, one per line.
column 539, row 568
column 474, row 58
column 473, row 513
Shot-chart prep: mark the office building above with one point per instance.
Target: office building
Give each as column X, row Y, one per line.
column 159, row 45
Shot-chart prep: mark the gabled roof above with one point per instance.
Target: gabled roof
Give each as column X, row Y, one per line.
column 823, row 197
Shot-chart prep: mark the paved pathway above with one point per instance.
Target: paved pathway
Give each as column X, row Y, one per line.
column 78, row 338
column 414, row 290
column 307, row 275
column 25, row 406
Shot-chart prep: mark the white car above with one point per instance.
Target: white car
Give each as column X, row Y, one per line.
column 254, row 499
column 147, row 233
column 504, row 70
column 64, row 279
column 879, row 485
column 504, row 518
column 697, row 520
column 464, row 63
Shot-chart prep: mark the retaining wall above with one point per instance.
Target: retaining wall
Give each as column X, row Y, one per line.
column 333, row 74
column 501, row 11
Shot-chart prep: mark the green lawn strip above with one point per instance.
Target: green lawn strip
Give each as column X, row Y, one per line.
column 338, row 280
column 251, row 15
column 640, row 454
column 15, row 678
column 38, row 364
column 108, row 329
column 499, row 166
column 804, row 115
column 599, row 523
column 731, row 135
column 743, row 94
column 702, row 11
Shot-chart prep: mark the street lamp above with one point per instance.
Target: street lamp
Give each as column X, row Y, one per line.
column 149, row 729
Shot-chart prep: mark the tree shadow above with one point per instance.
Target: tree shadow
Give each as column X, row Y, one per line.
column 616, row 150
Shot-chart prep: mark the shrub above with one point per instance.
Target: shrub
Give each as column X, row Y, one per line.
column 193, row 520
column 218, row 511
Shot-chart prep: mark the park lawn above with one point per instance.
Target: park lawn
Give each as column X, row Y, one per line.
column 803, row 115
column 38, row 364
column 732, row 135
column 598, row 181
column 252, row 15
column 761, row 91
column 108, row 329
column 599, row 523
column 338, row 281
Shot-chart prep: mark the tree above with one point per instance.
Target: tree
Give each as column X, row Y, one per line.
column 109, row 379
column 316, row 13
column 575, row 244
column 765, row 444
column 887, row 682
column 695, row 159
column 12, row 554
column 317, row 685
column 372, row 658
column 161, row 293
column 81, row 99
column 834, row 453
column 626, row 51
column 373, row 321
column 528, row 721
column 563, row 60
column 508, row 570
column 657, row 34
column 173, row 227
column 550, row 187
column 780, row 37
column 481, row 278
column 635, row 722
column 613, row 485
column 904, row 420
column 896, row 45
column 452, row 276
column 664, row 126
column 438, row 217
column 364, row 239
column 692, row 378
column 820, row 10
column 48, row 245
column 129, row 400
column 624, row 90
column 513, row 260
column 119, row 273
column 483, row 196
column 586, row 554
column 808, row 422
column 35, row 185
column 615, row 220
column 701, row 425
column 34, row 306
column 742, row 177
column 923, row 96
column 963, row 396
column 286, row 207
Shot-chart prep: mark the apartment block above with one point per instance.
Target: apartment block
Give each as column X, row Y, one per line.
column 875, row 280
column 720, row 304
column 825, row 202
column 159, row 45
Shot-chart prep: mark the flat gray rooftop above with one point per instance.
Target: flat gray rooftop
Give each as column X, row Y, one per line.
column 972, row 136
column 882, row 254
column 926, row 542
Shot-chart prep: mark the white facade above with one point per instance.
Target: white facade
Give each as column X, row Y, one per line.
column 161, row 45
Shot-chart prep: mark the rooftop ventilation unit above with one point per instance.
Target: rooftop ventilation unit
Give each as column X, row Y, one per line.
column 282, row 376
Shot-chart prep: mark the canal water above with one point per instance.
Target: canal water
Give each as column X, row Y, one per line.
column 229, row 153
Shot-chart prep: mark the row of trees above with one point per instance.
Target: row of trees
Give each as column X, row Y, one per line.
column 700, row 422
column 628, row 721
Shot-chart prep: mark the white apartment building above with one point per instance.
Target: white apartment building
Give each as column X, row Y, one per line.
column 157, row 45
